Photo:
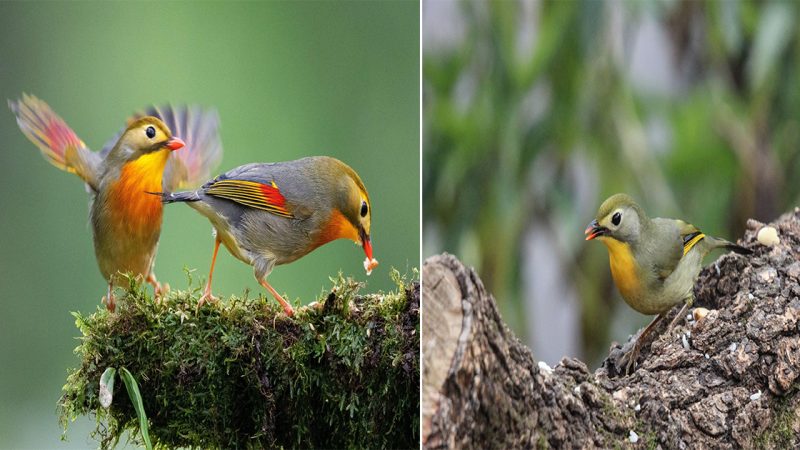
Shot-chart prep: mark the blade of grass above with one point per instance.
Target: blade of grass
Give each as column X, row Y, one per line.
column 136, row 399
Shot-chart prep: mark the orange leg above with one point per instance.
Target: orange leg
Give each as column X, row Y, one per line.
column 207, row 292
column 287, row 308
column 109, row 300
column 158, row 289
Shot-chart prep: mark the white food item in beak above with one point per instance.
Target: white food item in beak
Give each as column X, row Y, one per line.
column 370, row 264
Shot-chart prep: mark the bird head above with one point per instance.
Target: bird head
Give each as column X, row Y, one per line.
column 355, row 206
column 619, row 217
column 145, row 136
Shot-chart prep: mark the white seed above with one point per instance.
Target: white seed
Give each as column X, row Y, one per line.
column 756, row 396
column 633, row 437
column 638, row 407
column 732, row 347
column 685, row 342
column 768, row 236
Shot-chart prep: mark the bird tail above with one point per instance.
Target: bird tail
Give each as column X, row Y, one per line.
column 738, row 249
column 722, row 243
column 177, row 197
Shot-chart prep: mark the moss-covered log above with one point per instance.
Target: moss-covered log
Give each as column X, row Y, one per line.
column 343, row 372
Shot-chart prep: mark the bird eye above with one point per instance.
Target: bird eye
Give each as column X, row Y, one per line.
column 364, row 208
column 616, row 218
column 151, row 132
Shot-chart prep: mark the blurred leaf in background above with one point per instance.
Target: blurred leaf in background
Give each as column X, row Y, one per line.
column 288, row 79
column 536, row 111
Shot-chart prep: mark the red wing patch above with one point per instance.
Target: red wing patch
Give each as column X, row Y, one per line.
column 47, row 130
column 266, row 197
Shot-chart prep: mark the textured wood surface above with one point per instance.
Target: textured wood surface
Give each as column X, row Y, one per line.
column 728, row 380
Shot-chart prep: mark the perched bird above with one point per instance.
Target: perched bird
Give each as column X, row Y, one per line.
column 273, row 214
column 126, row 220
column 654, row 262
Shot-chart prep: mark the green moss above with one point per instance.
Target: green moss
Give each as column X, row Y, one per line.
column 780, row 434
column 343, row 373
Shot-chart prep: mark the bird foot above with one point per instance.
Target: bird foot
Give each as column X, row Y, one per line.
column 110, row 302
column 628, row 360
column 287, row 308
column 206, row 297
column 160, row 291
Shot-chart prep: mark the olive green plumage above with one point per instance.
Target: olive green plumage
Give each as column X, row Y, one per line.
column 654, row 262
column 667, row 253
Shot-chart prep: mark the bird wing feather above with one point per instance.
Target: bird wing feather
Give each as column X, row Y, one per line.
column 55, row 139
column 668, row 244
column 199, row 128
column 263, row 196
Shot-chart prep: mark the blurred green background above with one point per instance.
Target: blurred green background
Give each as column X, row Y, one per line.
column 289, row 79
column 535, row 112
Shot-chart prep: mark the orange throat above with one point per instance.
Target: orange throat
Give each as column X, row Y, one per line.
column 337, row 227
column 128, row 198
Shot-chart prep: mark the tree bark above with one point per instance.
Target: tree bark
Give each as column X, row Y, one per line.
column 727, row 380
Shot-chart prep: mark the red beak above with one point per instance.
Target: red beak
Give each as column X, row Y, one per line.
column 593, row 230
column 175, row 143
column 367, row 247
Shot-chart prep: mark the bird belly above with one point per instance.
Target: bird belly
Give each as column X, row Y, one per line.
column 126, row 219
column 223, row 231
column 124, row 246
column 679, row 284
column 625, row 272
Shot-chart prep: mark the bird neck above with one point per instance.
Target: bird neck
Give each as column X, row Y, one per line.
column 624, row 268
column 336, row 227
column 128, row 197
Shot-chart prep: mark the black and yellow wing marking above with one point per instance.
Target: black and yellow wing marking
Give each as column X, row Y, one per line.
column 266, row 197
column 691, row 239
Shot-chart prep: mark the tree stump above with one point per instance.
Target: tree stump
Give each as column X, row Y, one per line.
column 727, row 380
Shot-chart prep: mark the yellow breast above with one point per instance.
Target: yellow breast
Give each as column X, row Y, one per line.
column 624, row 269
column 129, row 200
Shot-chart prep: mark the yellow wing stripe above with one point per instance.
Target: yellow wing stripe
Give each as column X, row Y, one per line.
column 252, row 194
column 688, row 246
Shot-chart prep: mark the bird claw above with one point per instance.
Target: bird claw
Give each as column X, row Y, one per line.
column 206, row 297
column 110, row 302
column 161, row 290
column 630, row 356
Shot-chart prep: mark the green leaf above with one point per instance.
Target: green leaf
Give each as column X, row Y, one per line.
column 107, row 387
column 136, row 399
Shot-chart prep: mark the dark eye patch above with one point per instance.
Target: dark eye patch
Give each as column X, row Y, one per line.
column 364, row 209
column 616, row 218
column 150, row 132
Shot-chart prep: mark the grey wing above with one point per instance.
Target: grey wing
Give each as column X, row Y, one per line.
column 665, row 246
column 199, row 128
column 290, row 178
